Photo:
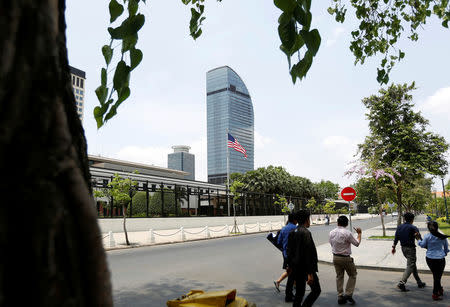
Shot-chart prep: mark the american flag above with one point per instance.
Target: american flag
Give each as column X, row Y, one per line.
column 233, row 143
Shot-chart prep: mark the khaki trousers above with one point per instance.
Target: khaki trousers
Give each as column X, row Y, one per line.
column 346, row 264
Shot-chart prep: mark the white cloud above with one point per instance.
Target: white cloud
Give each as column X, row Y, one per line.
column 342, row 147
column 438, row 103
column 261, row 141
column 337, row 32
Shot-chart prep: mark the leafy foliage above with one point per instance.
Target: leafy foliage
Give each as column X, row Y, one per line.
column 328, row 189
column 398, row 137
column 382, row 23
column 120, row 189
column 329, row 207
column 282, row 202
column 276, row 180
column 127, row 33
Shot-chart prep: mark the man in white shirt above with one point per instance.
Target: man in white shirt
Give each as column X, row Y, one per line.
column 341, row 240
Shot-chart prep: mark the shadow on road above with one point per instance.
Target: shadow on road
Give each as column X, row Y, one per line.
column 381, row 294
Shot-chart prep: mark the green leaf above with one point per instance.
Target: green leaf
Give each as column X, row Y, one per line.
column 306, row 4
column 135, row 58
column 132, row 7
column 129, row 42
column 121, row 75
column 300, row 69
column 107, row 54
column 286, row 6
column 98, row 115
column 286, row 30
column 129, row 26
column 123, row 95
column 115, row 10
column 112, row 112
column 312, row 40
column 331, row 11
column 101, row 93
column 445, row 23
column 103, row 77
column 401, row 54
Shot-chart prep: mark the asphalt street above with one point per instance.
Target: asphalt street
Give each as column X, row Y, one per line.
column 149, row 276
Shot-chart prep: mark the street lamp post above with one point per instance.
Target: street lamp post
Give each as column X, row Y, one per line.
column 445, row 200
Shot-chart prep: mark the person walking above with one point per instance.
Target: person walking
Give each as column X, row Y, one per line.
column 341, row 240
column 437, row 249
column 302, row 260
column 283, row 241
column 406, row 233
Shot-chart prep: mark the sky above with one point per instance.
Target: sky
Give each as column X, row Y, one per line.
column 311, row 128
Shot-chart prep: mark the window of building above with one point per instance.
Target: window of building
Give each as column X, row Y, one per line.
column 80, row 104
column 81, row 92
column 81, row 98
column 78, row 81
column 73, row 80
column 76, row 91
column 81, row 83
column 80, row 110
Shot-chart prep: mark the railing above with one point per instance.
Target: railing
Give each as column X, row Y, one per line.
column 180, row 235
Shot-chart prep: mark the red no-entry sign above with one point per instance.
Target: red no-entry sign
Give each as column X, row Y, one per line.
column 348, row 194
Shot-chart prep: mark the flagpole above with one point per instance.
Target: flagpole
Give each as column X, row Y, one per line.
column 228, row 173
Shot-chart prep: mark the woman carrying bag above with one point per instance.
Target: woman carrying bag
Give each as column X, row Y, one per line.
column 437, row 249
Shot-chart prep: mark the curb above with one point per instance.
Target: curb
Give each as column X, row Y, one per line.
column 386, row 269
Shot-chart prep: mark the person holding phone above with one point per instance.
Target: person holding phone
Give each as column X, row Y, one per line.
column 341, row 240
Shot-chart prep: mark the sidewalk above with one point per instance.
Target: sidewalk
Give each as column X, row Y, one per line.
column 376, row 254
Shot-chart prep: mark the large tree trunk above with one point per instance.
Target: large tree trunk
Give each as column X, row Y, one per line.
column 47, row 211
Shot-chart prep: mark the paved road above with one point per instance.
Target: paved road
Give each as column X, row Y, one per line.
column 149, row 276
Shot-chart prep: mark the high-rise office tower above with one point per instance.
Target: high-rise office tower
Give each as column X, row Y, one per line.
column 229, row 108
column 182, row 160
column 78, row 84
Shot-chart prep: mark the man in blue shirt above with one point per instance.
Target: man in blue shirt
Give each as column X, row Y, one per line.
column 406, row 233
column 283, row 240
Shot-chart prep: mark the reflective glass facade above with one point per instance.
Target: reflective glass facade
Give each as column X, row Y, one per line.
column 229, row 106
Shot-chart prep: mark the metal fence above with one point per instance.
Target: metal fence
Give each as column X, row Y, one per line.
column 167, row 199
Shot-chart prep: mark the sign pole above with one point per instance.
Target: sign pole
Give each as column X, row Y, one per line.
column 350, row 216
column 349, row 194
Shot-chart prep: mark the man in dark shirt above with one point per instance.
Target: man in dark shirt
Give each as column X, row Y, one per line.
column 302, row 259
column 406, row 233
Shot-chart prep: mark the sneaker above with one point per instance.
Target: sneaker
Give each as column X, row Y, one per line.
column 350, row 300
column 421, row 285
column 342, row 300
column 436, row 297
column 402, row 287
column 277, row 285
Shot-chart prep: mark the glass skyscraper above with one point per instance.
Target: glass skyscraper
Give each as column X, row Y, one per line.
column 229, row 107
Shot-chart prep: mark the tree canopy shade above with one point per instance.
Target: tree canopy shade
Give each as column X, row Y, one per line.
column 381, row 25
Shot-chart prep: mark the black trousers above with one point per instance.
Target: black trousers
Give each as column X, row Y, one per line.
column 437, row 268
column 300, row 280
